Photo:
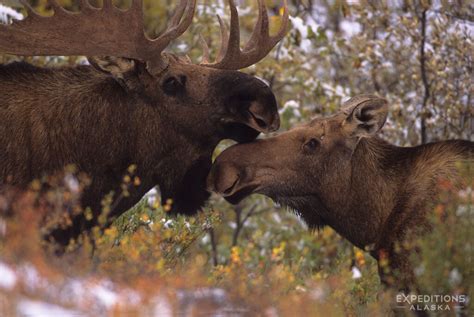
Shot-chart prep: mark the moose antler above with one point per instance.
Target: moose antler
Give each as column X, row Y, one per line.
column 102, row 32
column 230, row 55
column 106, row 31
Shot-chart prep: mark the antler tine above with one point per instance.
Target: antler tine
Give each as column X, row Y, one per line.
column 178, row 14
column 224, row 39
column 261, row 31
column 86, row 5
column 178, row 25
column 261, row 27
column 285, row 20
column 233, row 46
column 205, row 50
column 259, row 44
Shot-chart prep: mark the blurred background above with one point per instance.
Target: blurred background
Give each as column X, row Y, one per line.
column 256, row 257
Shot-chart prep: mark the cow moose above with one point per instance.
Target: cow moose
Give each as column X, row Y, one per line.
column 133, row 105
column 335, row 171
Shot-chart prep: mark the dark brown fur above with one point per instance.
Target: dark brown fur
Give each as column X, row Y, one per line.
column 371, row 192
column 103, row 123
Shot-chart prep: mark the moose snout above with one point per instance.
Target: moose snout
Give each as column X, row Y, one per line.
column 262, row 119
column 254, row 101
column 223, row 178
column 238, row 171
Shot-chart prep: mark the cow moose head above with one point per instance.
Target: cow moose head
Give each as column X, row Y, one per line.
column 335, row 171
column 279, row 166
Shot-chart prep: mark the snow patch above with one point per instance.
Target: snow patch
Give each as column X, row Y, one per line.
column 8, row 277
column 162, row 307
column 7, row 14
column 356, row 274
column 32, row 308
column 350, row 28
column 103, row 292
column 291, row 106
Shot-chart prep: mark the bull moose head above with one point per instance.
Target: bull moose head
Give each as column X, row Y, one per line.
column 116, row 44
column 137, row 104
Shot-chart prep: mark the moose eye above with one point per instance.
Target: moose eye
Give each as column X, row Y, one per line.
column 311, row 145
column 173, row 85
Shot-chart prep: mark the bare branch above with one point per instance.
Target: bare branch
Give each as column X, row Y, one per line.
column 424, row 77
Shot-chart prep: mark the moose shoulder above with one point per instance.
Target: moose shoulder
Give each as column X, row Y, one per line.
column 134, row 105
column 335, row 171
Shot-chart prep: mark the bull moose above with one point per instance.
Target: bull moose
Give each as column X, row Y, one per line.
column 335, row 171
column 133, row 105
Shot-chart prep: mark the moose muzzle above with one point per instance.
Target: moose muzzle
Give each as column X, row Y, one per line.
column 237, row 173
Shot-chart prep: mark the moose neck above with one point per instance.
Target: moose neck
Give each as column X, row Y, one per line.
column 378, row 170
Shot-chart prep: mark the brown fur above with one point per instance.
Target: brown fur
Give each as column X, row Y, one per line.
column 103, row 123
column 371, row 192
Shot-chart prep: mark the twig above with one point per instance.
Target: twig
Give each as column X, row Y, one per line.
column 213, row 247
column 240, row 223
column 424, row 77
column 374, row 66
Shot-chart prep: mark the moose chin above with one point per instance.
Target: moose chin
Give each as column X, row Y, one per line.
column 335, row 171
column 134, row 105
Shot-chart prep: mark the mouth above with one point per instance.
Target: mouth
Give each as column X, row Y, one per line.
column 240, row 132
column 232, row 187
column 240, row 194
column 247, row 130
column 230, row 182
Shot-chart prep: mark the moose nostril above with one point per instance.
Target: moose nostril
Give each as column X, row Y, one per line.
column 260, row 121
column 262, row 124
column 229, row 190
column 223, row 179
column 275, row 124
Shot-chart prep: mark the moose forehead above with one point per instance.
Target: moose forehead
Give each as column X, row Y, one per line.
column 322, row 126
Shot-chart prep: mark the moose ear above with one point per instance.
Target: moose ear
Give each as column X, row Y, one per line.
column 366, row 115
column 115, row 66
